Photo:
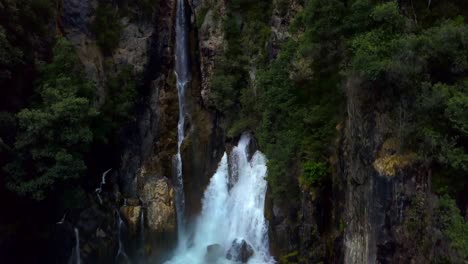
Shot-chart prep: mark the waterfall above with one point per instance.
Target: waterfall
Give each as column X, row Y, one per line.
column 142, row 227
column 98, row 190
column 183, row 77
column 120, row 231
column 142, row 237
column 235, row 213
column 77, row 246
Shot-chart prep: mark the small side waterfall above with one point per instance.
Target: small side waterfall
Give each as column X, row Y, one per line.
column 77, row 246
column 142, row 250
column 120, row 233
column 98, row 190
column 232, row 218
column 183, row 78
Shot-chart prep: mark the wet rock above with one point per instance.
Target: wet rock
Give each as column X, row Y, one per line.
column 240, row 251
column 158, row 197
column 253, row 147
column 100, row 233
column 131, row 215
column 132, row 202
column 90, row 219
column 213, row 253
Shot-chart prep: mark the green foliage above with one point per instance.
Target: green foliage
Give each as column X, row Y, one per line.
column 387, row 16
column 290, row 258
column 453, row 226
column 446, row 125
column 27, row 16
column 299, row 98
column 55, row 132
column 121, row 96
column 228, row 81
column 10, row 56
column 107, row 27
column 24, row 40
column 314, row 173
column 119, row 106
column 201, row 13
column 373, row 50
column 246, row 31
column 427, row 66
column 417, row 219
column 136, row 9
column 73, row 198
column 7, row 128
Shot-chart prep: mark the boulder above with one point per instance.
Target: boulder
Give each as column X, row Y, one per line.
column 240, row 251
column 213, row 253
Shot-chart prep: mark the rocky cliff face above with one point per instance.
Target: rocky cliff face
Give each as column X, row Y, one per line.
column 146, row 45
column 384, row 188
column 359, row 216
column 210, row 39
column 143, row 184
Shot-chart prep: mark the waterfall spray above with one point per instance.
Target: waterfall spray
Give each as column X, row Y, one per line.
column 232, row 216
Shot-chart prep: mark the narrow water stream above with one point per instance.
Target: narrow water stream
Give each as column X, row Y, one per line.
column 77, row 247
column 183, row 78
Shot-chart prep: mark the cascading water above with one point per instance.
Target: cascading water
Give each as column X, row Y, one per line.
column 98, row 190
column 141, row 252
column 183, row 78
column 77, row 246
column 232, row 211
column 121, row 230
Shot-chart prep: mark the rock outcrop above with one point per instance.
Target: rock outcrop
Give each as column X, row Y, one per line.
column 131, row 214
column 382, row 186
column 158, row 198
column 210, row 39
column 132, row 49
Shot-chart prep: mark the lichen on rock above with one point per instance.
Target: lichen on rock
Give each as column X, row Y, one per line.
column 158, row 198
column 389, row 160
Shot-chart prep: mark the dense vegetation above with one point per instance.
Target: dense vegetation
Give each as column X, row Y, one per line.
column 49, row 123
column 410, row 56
column 56, row 137
column 55, row 132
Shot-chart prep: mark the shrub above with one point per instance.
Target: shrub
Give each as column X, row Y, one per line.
column 314, row 173
column 453, row 225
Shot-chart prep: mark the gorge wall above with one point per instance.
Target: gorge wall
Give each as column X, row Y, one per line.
column 144, row 183
column 350, row 193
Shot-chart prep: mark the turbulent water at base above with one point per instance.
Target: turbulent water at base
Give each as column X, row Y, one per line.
column 183, row 77
column 232, row 213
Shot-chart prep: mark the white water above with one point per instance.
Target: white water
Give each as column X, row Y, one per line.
column 77, row 246
column 235, row 213
column 98, row 190
column 183, row 77
column 121, row 229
